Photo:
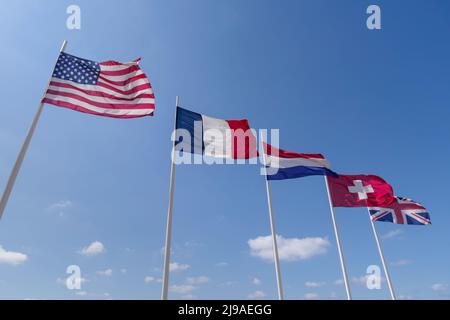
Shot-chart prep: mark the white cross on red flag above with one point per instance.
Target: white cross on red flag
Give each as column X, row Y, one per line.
column 360, row 191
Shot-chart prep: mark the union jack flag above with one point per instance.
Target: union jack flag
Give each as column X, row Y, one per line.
column 402, row 211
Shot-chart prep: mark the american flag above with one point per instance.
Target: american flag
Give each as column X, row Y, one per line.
column 402, row 211
column 110, row 88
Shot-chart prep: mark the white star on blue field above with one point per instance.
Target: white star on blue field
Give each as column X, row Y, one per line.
column 93, row 191
column 75, row 69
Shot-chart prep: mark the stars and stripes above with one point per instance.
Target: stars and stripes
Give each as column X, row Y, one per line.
column 110, row 88
column 402, row 211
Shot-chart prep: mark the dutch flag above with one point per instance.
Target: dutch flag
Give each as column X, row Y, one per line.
column 281, row 164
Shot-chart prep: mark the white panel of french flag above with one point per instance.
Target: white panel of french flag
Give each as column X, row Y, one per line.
column 218, row 138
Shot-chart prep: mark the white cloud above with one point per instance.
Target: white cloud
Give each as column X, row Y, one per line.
column 258, row 294
column 182, row 288
column 175, row 266
column 392, row 234
column 440, row 287
column 222, row 264
column 63, row 204
column 63, row 281
column 401, row 263
column 228, row 283
column 311, row 296
column 193, row 243
column 150, row 279
column 93, row 249
column 123, row 271
column 361, row 280
column 197, row 280
column 256, row 281
column 106, row 273
column 289, row 249
column 189, row 297
column 81, row 293
column 313, row 284
column 189, row 285
column 339, row 282
column 11, row 257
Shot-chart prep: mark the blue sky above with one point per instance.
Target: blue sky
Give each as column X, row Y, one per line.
column 371, row 101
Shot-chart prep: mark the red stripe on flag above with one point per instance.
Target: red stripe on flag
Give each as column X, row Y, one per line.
column 100, row 93
column 125, row 82
column 120, row 72
column 111, row 63
column 84, row 110
column 134, row 90
column 270, row 150
column 104, row 105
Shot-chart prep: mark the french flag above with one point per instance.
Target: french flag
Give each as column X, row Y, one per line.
column 281, row 164
column 214, row 137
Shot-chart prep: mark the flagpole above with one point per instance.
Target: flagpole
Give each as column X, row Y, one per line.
column 18, row 164
column 165, row 284
column 272, row 227
column 380, row 251
column 338, row 241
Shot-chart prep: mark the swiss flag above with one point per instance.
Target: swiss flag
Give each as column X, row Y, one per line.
column 360, row 191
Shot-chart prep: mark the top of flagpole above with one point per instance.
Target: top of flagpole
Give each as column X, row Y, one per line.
column 63, row 47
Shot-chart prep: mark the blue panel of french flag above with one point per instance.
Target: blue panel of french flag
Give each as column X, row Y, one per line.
column 215, row 137
column 281, row 164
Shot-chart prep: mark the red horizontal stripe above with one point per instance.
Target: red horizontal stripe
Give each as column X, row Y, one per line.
column 120, row 72
column 115, row 63
column 110, row 63
column 84, row 110
column 289, row 154
column 125, row 82
column 133, row 90
column 102, row 104
column 100, row 93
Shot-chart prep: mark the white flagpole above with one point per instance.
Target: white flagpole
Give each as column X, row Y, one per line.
column 272, row 226
column 338, row 241
column 18, row 164
column 380, row 251
column 165, row 284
